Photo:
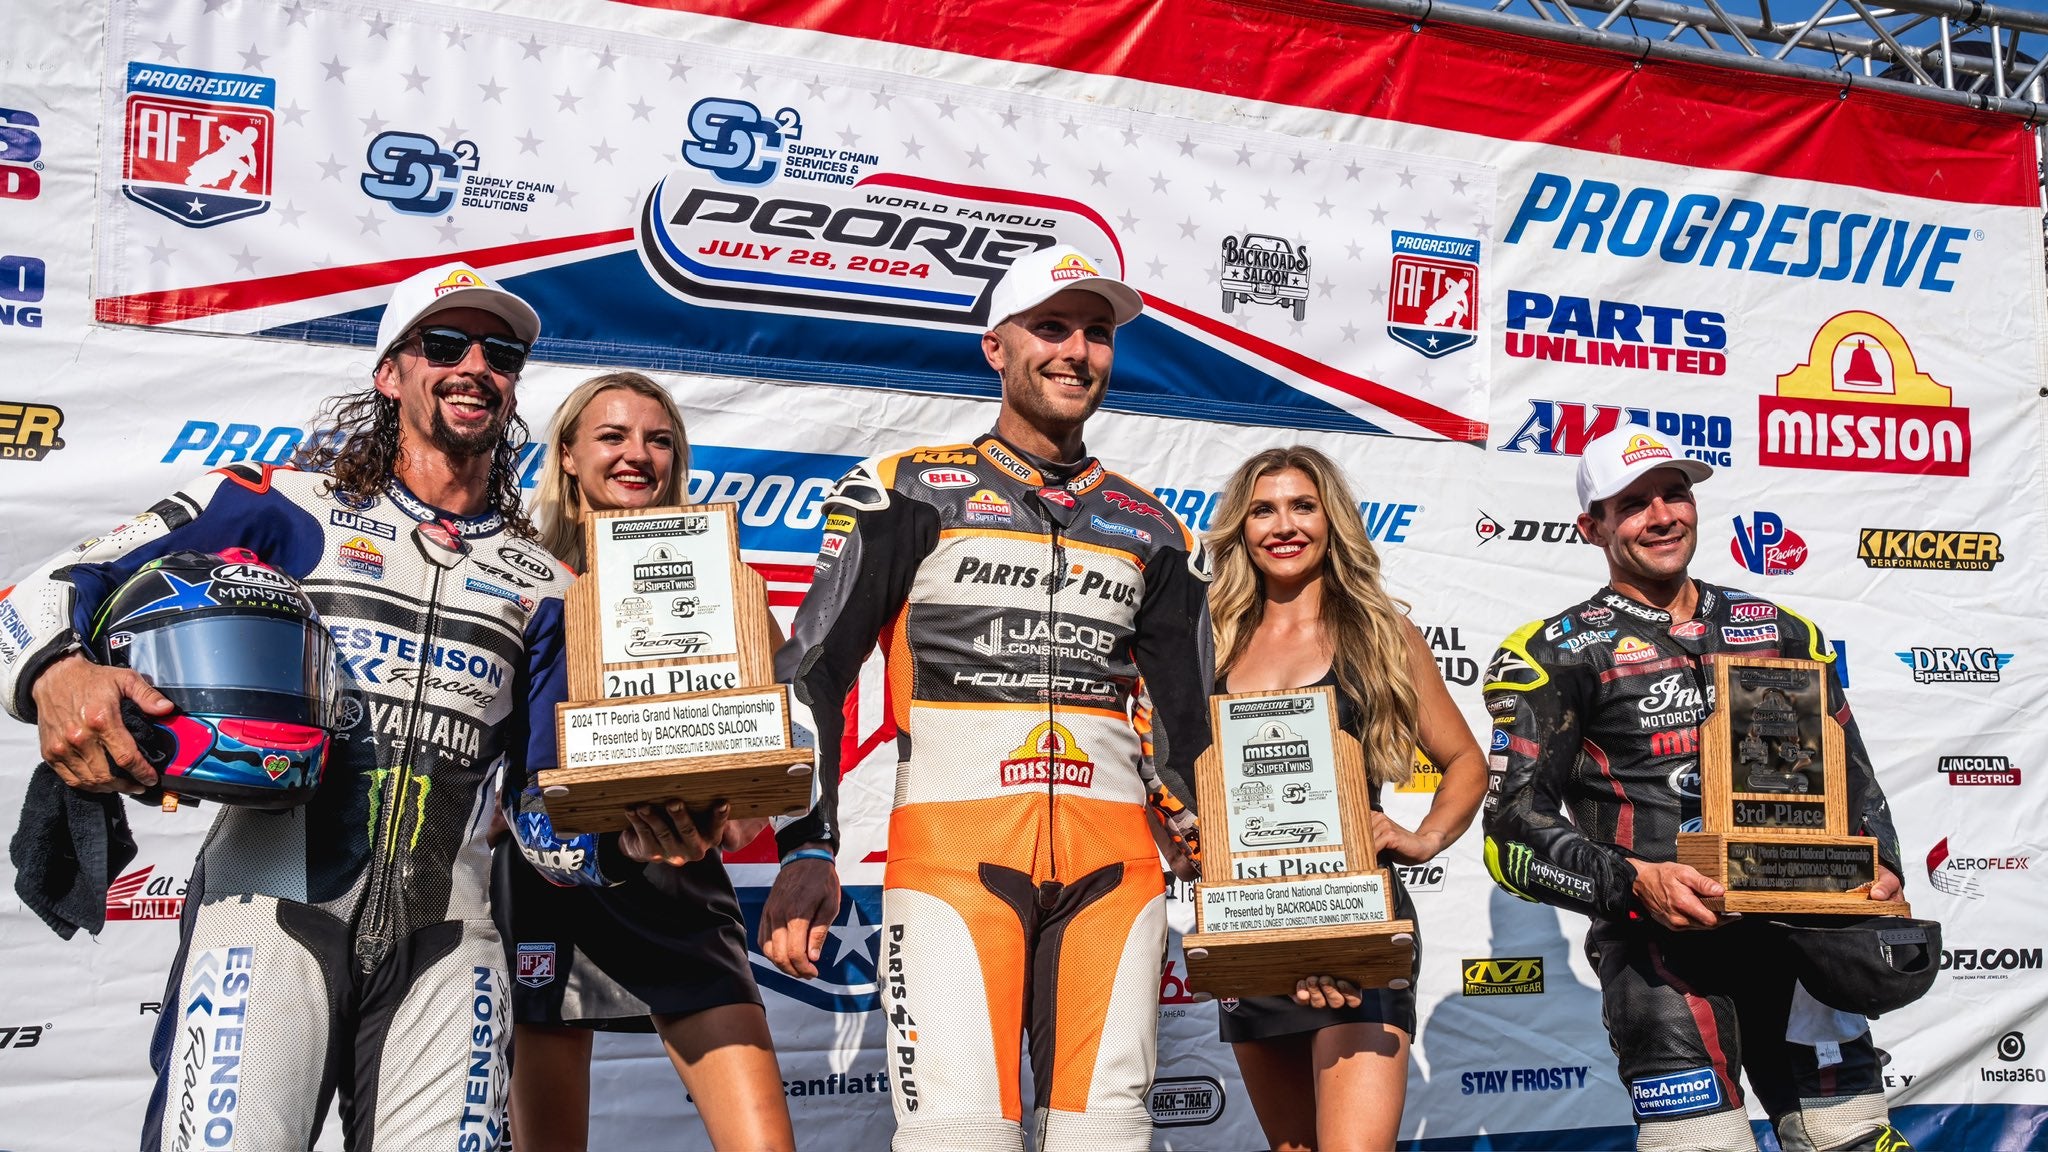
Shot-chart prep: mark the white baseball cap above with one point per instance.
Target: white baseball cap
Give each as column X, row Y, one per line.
column 451, row 286
column 1614, row 461
column 1046, row 273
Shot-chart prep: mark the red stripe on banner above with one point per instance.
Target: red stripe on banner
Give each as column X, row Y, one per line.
column 242, row 295
column 967, row 192
column 1421, row 413
column 783, row 573
column 1465, row 79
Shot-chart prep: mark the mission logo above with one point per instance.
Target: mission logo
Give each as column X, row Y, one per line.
column 1862, row 403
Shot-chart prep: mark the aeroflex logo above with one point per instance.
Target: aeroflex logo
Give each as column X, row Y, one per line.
column 1861, row 403
column 1962, row 875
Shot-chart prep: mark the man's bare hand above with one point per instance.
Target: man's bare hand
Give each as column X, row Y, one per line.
column 740, row 833
column 1326, row 992
column 800, row 909
column 78, row 721
column 1887, row 885
column 667, row 833
column 1671, row 893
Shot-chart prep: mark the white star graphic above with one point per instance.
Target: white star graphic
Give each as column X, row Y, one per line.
column 457, row 38
column 1430, row 220
column 1458, row 184
column 1070, row 127
column 1215, row 190
column 1271, row 200
column 566, row 101
column 371, row 223
column 881, row 97
column 1131, row 137
column 529, row 142
column 640, row 109
column 492, row 90
column 415, row 80
column 214, row 5
column 750, row 79
column 1378, row 214
column 947, row 108
column 1351, row 170
column 252, row 58
column 245, row 260
column 160, row 253
column 1099, row 175
column 817, row 87
column 448, row 230
column 1159, row 181
column 1244, row 155
column 1129, row 221
column 289, row 214
column 293, row 114
column 372, row 124
column 1350, row 333
column 1483, row 230
column 330, row 168
column 849, row 137
column 1038, row 166
column 451, row 131
column 524, row 235
column 1353, row 251
column 295, row 13
column 677, row 70
column 1187, row 146
column 1323, row 206
column 336, row 70
column 601, row 152
column 169, row 48
column 1406, row 177
column 533, row 48
column 1300, row 162
column 380, row 28
column 1188, row 228
column 565, row 195
column 853, row 935
column 911, row 148
column 976, row 157
column 1156, row 268
column 1326, row 286
column 1294, row 327
column 1379, row 293
column 1010, row 116
column 606, row 58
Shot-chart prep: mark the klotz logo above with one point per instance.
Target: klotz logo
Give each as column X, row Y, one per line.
column 21, row 150
column 1265, row 270
column 735, row 143
column 197, row 145
column 1766, row 547
column 1432, row 305
column 414, row 174
column 1860, row 403
column 1048, row 755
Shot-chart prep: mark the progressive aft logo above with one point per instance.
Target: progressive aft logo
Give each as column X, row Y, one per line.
column 1765, row 546
column 197, row 145
column 1433, row 293
column 1861, row 403
column 21, row 151
column 1504, row 976
column 1955, row 665
column 1564, row 428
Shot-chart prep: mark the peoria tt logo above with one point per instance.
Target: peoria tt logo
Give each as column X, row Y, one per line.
column 198, row 144
column 1434, row 288
column 1504, row 976
column 1860, row 403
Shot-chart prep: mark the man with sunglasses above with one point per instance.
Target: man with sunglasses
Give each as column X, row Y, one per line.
column 347, row 943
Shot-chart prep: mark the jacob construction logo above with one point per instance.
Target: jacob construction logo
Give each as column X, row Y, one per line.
column 1504, row 976
column 1860, row 403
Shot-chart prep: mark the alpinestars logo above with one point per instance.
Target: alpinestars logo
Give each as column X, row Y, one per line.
column 197, row 145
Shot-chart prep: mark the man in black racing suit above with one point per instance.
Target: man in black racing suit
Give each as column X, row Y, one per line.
column 1593, row 772
column 346, row 944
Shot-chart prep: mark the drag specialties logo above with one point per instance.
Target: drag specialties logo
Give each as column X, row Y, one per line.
column 1433, row 295
column 1185, row 1101
column 1860, row 403
column 1765, row 546
column 1265, row 270
column 1989, row 963
column 1616, row 334
column 734, row 142
column 1048, row 756
column 21, row 155
column 1963, row 875
column 1564, row 428
column 1979, row 770
column 1489, row 529
column 29, row 430
column 871, row 246
column 1503, row 976
column 1949, row 551
column 144, row 895
column 1955, row 665
column 197, row 145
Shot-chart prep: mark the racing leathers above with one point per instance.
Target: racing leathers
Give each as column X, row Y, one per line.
column 1017, row 603
column 1595, row 765
column 347, row 943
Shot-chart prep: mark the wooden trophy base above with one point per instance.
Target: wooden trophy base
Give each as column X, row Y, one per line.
column 754, row 784
column 1270, row 962
column 1789, row 873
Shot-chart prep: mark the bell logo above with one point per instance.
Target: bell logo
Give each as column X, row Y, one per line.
column 1860, row 403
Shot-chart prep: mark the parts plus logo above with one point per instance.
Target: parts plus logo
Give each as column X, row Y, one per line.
column 1960, row 875
column 21, row 155
column 1766, row 547
column 140, row 895
column 1927, row 548
column 1264, row 270
column 1989, row 963
column 1433, row 301
column 1955, row 665
column 1610, row 334
column 1564, row 428
column 1185, row 1101
column 1860, row 403
column 1504, row 976
column 197, row 147
column 21, row 291
column 1979, row 770
column 29, row 431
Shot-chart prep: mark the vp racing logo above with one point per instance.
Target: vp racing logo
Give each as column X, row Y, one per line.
column 851, row 242
column 196, row 146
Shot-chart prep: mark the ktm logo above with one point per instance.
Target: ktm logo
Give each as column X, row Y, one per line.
column 928, row 456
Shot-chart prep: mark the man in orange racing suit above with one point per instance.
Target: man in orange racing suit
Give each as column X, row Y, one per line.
column 1020, row 591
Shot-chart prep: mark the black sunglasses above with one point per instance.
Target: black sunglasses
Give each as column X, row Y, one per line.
column 445, row 347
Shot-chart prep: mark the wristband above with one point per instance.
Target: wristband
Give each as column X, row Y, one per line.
column 808, row 854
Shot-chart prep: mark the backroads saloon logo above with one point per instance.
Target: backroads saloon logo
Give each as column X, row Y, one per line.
column 1265, row 270
column 1432, row 301
column 197, row 145
column 1860, row 403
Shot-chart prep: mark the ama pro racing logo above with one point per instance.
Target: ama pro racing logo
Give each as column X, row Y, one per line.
column 847, row 965
column 197, row 145
column 1860, row 403
column 1564, row 428
column 1433, row 304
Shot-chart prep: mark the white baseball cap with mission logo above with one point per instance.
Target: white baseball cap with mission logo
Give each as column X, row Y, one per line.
column 1614, row 461
column 447, row 286
column 1041, row 275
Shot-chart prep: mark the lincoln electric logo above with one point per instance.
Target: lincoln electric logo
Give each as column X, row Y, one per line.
column 197, row 145
column 1861, row 403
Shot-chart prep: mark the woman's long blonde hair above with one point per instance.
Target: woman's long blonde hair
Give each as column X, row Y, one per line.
column 558, row 504
column 1367, row 629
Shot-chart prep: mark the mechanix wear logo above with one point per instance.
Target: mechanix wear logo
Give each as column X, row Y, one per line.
column 1926, row 548
column 1504, row 976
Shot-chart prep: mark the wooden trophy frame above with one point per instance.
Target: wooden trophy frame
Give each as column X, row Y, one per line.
column 672, row 691
column 1775, row 824
column 1334, row 902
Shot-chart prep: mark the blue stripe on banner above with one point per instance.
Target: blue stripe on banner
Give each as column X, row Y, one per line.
column 1160, row 371
column 1925, row 1126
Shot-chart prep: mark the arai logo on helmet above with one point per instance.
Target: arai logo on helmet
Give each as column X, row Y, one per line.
column 255, row 574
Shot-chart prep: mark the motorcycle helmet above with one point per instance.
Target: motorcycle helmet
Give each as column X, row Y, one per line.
column 238, row 647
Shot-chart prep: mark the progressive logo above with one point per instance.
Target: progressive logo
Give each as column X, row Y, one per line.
column 1432, row 304
column 197, row 145
column 1861, row 403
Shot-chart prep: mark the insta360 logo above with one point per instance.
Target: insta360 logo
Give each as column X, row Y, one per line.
column 2012, row 1046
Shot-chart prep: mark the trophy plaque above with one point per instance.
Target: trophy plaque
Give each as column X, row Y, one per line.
column 1774, row 812
column 672, row 691
column 1291, row 885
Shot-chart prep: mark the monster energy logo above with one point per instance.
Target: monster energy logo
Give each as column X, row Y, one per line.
column 425, row 785
column 1516, row 866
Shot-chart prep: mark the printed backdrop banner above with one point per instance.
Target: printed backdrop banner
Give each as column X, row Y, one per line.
column 1448, row 258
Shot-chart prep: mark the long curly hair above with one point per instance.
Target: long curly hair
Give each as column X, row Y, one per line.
column 558, row 502
column 1367, row 629
column 355, row 442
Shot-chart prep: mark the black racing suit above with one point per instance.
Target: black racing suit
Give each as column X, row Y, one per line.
column 1594, row 765
column 347, row 943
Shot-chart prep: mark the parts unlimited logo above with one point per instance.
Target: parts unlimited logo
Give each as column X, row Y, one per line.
column 1611, row 334
column 21, row 155
column 197, row 145
column 1860, row 403
column 1432, row 304
column 1765, row 546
